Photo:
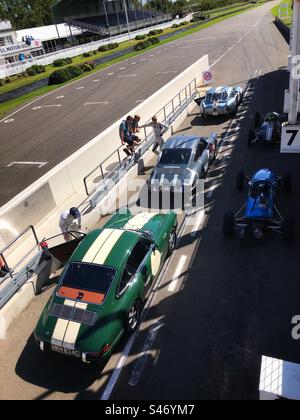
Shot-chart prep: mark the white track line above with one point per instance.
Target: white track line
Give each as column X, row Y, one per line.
column 181, row 263
column 141, row 362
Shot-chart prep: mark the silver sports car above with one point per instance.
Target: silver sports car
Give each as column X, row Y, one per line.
column 183, row 161
column 221, row 101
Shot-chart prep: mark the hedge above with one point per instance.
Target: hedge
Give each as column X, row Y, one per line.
column 36, row 69
column 141, row 37
column 68, row 73
column 108, row 47
column 155, row 32
column 145, row 44
column 62, row 62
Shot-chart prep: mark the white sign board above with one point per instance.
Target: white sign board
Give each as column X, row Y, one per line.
column 15, row 48
column 290, row 139
column 207, row 77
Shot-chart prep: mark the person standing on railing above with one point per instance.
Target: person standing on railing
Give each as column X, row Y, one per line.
column 159, row 130
column 70, row 220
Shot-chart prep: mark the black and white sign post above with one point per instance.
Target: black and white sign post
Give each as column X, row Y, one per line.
column 290, row 139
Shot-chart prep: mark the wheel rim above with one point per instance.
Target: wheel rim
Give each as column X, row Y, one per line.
column 172, row 241
column 133, row 317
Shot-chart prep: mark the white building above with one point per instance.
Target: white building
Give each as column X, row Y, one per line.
column 13, row 51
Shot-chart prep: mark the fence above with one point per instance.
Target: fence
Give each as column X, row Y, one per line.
column 100, row 180
column 28, row 263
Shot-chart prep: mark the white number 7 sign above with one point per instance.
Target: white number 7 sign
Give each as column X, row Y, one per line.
column 290, row 139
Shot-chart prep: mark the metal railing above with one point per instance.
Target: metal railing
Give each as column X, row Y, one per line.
column 14, row 278
column 99, row 181
column 31, row 264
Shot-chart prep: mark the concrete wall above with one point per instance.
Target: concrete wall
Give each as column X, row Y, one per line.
column 66, row 179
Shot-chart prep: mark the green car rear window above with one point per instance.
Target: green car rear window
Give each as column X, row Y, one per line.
column 86, row 282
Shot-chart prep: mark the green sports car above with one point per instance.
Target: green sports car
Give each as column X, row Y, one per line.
column 100, row 293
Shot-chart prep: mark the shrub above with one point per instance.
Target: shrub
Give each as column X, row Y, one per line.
column 174, row 26
column 31, row 72
column 87, row 54
column 2, row 82
column 38, row 69
column 8, row 80
column 62, row 62
column 108, row 47
column 95, row 52
column 140, row 37
column 68, row 73
column 155, row 32
column 145, row 44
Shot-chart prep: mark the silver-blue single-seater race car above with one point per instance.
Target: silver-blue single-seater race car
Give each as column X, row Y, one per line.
column 260, row 213
column 267, row 130
column 223, row 100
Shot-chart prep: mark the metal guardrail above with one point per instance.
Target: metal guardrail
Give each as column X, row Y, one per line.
column 168, row 114
column 14, row 280
column 21, row 273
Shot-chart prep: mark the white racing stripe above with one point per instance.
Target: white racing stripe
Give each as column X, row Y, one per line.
column 107, row 247
column 96, row 246
column 61, row 327
column 139, row 221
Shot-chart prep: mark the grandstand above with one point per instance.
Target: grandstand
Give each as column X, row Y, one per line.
column 107, row 17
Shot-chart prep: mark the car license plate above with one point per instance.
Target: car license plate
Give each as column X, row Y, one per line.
column 67, row 352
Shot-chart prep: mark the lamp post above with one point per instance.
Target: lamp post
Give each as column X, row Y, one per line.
column 127, row 19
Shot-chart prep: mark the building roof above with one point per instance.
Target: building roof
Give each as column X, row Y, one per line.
column 48, row 33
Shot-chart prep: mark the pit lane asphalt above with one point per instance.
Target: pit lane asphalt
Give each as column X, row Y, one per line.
column 232, row 305
column 51, row 134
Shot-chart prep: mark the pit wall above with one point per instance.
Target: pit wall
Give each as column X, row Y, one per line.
column 33, row 205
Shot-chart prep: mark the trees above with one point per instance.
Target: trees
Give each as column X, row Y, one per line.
column 25, row 14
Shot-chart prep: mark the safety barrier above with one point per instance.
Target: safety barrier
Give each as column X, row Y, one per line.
column 168, row 114
column 28, row 263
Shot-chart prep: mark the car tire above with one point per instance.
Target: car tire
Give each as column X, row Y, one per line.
column 240, row 181
column 287, row 181
column 133, row 318
column 228, row 225
column 172, row 241
column 257, row 119
column 251, row 138
column 288, row 229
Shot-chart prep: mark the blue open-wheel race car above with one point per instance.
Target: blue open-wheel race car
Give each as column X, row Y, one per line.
column 260, row 213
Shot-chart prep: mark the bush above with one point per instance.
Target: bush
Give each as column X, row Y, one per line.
column 8, row 80
column 62, row 62
column 87, row 54
column 108, row 47
column 140, row 37
column 37, row 69
column 175, row 25
column 184, row 23
column 68, row 73
column 145, row 44
column 2, row 82
column 31, row 72
column 155, row 32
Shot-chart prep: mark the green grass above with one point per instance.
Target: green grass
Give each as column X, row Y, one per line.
column 10, row 105
column 275, row 11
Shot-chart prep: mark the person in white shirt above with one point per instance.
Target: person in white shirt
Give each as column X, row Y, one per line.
column 159, row 130
column 70, row 220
